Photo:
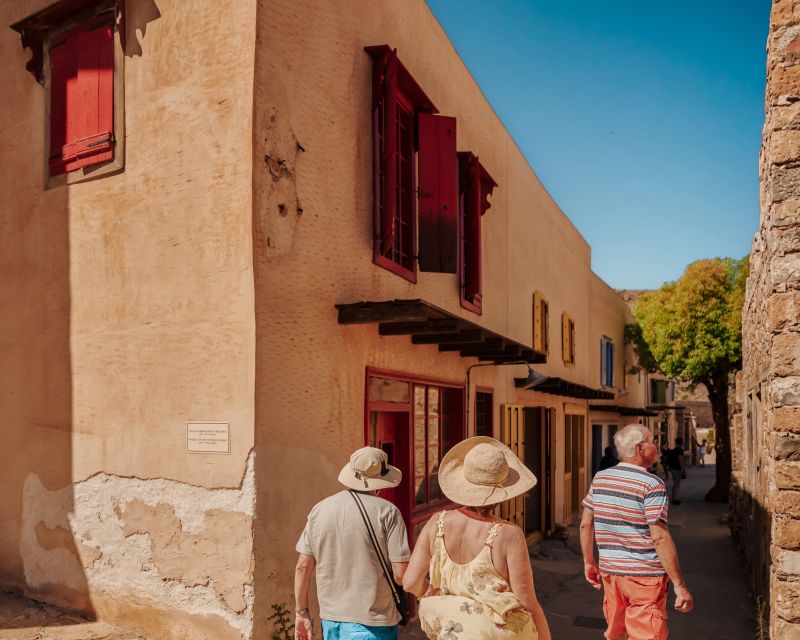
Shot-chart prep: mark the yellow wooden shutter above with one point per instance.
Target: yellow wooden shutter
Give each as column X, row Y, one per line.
column 545, row 326
column 538, row 342
column 512, row 434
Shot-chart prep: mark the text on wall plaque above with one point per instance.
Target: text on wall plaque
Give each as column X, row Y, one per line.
column 208, row 437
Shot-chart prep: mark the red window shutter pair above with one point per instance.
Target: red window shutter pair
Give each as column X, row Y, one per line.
column 82, row 96
column 438, row 194
column 403, row 122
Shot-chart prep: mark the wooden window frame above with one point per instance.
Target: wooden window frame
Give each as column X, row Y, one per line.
column 405, row 216
column 106, row 167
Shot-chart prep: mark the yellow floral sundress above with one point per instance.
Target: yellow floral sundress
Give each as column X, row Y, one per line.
column 474, row 601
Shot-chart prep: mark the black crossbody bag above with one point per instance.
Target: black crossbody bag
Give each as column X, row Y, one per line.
column 399, row 596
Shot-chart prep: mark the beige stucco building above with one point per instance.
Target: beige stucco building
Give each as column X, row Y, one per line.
column 199, row 326
column 765, row 438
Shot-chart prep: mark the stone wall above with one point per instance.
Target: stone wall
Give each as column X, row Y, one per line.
column 766, row 425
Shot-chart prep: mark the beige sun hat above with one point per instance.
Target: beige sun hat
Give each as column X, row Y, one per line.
column 481, row 471
column 369, row 469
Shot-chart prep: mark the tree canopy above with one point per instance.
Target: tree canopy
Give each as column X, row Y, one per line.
column 691, row 330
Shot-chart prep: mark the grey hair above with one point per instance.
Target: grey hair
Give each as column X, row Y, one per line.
column 628, row 437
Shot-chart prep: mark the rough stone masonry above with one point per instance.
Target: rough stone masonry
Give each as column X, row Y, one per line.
column 765, row 499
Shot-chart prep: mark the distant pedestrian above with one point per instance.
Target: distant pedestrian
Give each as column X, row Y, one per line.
column 701, row 453
column 608, row 460
column 625, row 512
column 354, row 597
column 676, row 461
column 664, row 466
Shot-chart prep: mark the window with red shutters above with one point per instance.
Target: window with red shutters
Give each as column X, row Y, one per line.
column 82, row 95
column 475, row 187
column 397, row 101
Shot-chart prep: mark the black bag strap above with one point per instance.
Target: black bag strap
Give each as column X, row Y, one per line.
column 374, row 540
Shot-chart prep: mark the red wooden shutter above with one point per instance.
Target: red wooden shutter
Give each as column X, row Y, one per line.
column 82, row 96
column 472, row 222
column 389, row 151
column 63, row 70
column 438, row 193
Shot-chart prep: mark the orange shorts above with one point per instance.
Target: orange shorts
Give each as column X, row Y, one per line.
column 635, row 607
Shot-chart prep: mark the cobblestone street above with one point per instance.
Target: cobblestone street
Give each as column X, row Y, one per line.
column 724, row 609
column 22, row 619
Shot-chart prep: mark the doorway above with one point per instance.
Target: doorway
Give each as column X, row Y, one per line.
column 574, row 462
column 538, row 423
column 597, row 447
column 389, row 431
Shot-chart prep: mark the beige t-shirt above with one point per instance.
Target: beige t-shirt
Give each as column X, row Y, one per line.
column 351, row 586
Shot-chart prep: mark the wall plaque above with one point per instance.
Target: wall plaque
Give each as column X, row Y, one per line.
column 208, row 437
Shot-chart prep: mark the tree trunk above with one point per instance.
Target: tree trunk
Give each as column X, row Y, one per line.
column 718, row 395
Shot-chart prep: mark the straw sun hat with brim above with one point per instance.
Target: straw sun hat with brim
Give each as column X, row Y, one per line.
column 368, row 470
column 482, row 471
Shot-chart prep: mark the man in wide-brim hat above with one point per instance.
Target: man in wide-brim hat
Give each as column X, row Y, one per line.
column 352, row 591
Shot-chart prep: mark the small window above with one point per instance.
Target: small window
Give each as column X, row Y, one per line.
column 475, row 187
column 567, row 339
column 77, row 56
column 82, row 96
column 606, row 362
column 541, row 323
column 483, row 414
column 658, row 391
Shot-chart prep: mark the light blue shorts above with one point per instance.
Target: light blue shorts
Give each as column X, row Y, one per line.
column 353, row 631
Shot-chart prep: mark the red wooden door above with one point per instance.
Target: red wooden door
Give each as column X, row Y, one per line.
column 392, row 436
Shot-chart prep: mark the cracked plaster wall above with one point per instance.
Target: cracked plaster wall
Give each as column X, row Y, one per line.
column 126, row 312
column 159, row 544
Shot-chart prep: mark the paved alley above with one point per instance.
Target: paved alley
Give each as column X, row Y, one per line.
column 724, row 609
column 22, row 619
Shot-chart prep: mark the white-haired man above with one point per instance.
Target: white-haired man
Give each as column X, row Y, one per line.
column 625, row 512
column 354, row 597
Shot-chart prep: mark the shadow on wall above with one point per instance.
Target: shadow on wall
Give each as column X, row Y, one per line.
column 38, row 555
column 751, row 526
column 137, row 16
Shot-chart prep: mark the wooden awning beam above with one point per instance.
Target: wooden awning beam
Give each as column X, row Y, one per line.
column 429, row 324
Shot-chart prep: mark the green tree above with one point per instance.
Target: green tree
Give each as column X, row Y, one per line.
column 691, row 330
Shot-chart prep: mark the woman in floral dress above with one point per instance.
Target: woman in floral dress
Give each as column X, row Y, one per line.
column 479, row 583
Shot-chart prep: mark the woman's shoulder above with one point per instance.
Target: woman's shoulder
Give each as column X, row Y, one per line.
column 508, row 532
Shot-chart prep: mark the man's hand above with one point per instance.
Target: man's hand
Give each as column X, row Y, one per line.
column 683, row 599
column 592, row 574
column 303, row 627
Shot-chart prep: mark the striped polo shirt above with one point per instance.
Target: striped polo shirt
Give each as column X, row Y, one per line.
column 626, row 499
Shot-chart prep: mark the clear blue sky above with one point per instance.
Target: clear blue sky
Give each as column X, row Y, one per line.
column 642, row 119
